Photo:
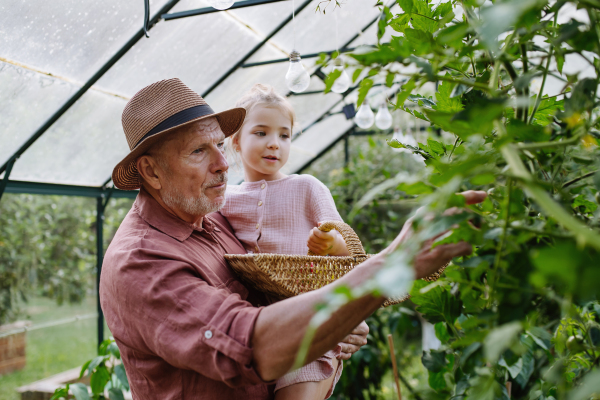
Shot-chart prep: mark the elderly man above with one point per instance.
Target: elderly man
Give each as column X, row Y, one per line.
column 186, row 327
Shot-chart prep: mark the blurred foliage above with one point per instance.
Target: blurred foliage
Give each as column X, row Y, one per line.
column 48, row 248
column 108, row 379
column 519, row 319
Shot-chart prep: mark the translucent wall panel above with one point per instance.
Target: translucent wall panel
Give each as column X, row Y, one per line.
column 81, row 148
column 27, row 100
column 311, row 107
column 198, row 50
column 315, row 139
column 68, row 38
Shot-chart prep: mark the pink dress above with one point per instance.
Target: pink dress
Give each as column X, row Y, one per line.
column 277, row 217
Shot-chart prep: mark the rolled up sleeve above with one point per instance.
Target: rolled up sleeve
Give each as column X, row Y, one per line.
column 191, row 324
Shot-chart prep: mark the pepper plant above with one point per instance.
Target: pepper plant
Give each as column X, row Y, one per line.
column 106, row 373
column 519, row 317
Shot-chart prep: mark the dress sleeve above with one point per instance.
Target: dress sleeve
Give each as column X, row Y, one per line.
column 322, row 204
column 188, row 323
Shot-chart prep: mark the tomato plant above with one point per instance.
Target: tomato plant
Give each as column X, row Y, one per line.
column 516, row 97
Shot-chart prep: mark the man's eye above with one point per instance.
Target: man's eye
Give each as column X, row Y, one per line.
column 197, row 151
column 220, row 145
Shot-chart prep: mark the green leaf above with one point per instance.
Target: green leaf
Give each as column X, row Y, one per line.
column 415, row 188
column 61, row 393
column 407, row 89
column 114, row 350
column 441, row 332
column 400, row 23
column 581, row 201
column 446, row 103
column 331, row 78
column 115, row 394
column 122, row 375
column 589, row 386
column 436, row 147
column 84, row 367
column 80, row 391
column 389, row 79
column 500, row 339
column 437, row 304
column 356, row 74
column 99, row 379
column 434, row 360
column 406, row 5
column 365, row 85
column 95, row 362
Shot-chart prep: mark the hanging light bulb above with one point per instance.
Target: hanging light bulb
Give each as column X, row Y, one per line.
column 297, row 79
column 342, row 83
column 383, row 119
column 221, row 4
column 364, row 117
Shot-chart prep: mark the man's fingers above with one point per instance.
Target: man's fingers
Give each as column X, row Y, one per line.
column 349, row 348
column 356, row 340
column 362, row 329
column 474, row 196
column 428, row 262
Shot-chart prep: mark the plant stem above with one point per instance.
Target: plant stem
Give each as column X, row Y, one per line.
column 538, row 99
column 494, row 77
column 547, row 145
column 572, row 181
column 503, row 239
column 454, row 147
column 464, row 82
column 525, row 69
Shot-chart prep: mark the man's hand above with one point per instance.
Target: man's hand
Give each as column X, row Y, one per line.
column 354, row 341
column 431, row 260
column 326, row 243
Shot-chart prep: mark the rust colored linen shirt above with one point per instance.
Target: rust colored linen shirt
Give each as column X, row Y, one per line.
column 180, row 317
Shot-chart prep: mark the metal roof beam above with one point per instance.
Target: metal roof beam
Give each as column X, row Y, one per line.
column 112, row 61
column 66, row 190
column 304, row 56
column 210, row 10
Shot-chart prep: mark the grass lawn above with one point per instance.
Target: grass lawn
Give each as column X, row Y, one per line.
column 56, row 349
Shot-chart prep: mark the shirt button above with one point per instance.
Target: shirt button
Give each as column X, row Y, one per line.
column 257, row 226
column 263, row 186
column 260, row 203
column 208, row 334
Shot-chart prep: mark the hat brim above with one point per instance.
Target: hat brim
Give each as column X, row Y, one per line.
column 125, row 175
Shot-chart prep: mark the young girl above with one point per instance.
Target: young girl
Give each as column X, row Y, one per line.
column 276, row 213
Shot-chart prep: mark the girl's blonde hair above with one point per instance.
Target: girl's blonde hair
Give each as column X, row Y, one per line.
column 264, row 95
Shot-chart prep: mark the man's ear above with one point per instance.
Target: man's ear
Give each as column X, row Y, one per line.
column 235, row 142
column 149, row 171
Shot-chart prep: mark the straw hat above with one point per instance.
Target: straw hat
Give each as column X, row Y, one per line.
column 156, row 110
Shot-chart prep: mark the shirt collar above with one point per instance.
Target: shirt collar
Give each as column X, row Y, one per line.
column 159, row 218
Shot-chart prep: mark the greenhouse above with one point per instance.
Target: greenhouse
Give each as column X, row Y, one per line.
column 459, row 140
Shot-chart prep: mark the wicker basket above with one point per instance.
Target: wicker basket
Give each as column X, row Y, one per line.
column 284, row 275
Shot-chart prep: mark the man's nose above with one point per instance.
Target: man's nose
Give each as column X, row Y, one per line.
column 220, row 163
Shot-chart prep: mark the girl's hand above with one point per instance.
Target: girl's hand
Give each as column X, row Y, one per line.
column 327, row 243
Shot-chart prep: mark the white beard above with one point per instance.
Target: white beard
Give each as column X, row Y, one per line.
column 200, row 205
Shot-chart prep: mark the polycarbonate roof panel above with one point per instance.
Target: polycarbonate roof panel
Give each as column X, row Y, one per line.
column 27, row 100
column 81, row 148
column 243, row 79
column 68, row 38
column 316, row 32
column 198, row 50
